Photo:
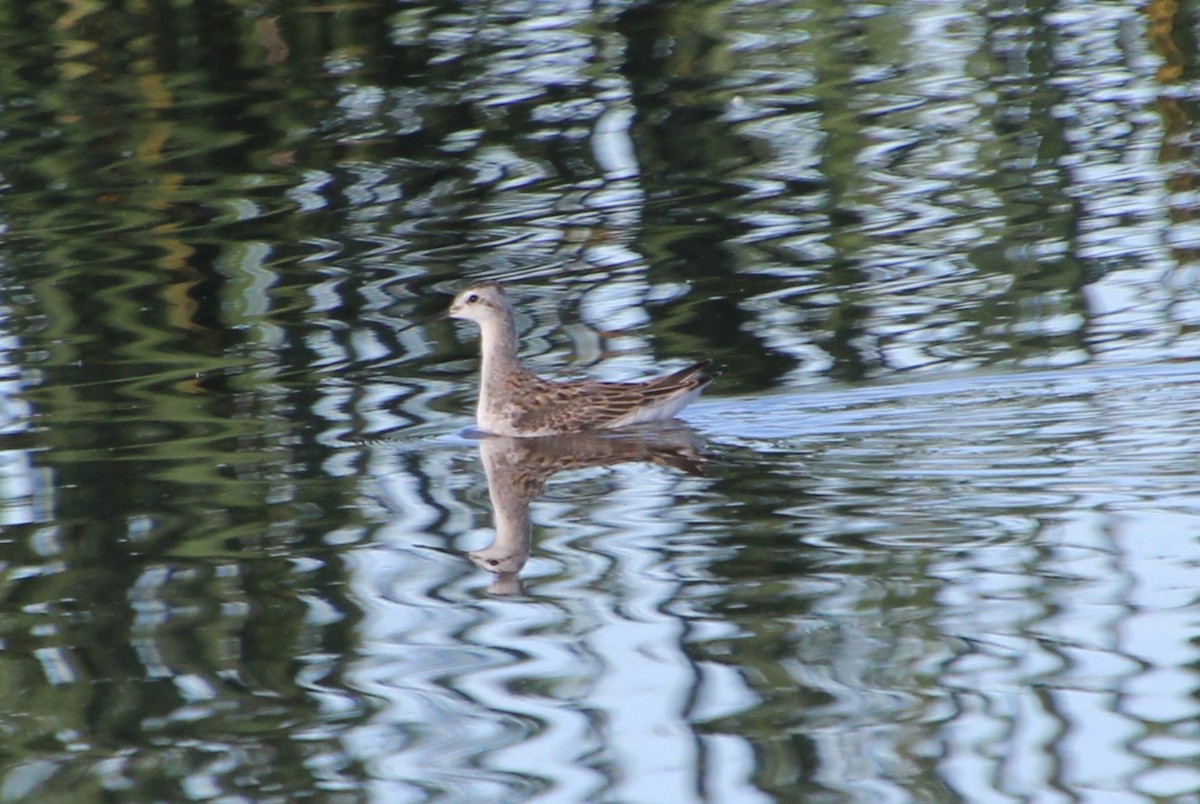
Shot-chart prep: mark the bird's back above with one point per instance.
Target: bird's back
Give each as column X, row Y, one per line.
column 536, row 406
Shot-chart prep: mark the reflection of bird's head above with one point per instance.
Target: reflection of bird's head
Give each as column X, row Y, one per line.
column 494, row 558
column 499, row 558
column 482, row 301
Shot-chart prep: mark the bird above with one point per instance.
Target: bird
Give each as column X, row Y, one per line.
column 516, row 402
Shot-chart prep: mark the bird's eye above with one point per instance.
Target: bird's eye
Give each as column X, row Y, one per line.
column 472, row 298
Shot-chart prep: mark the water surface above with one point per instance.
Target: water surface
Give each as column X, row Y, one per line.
column 931, row 537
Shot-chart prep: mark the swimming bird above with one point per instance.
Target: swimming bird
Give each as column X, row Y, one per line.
column 513, row 401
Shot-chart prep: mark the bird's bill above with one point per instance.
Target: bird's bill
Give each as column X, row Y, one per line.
column 427, row 320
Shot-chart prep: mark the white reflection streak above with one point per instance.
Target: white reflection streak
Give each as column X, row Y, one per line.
column 612, row 146
column 25, row 493
column 56, row 665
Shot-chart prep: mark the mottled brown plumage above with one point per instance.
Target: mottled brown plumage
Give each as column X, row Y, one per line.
column 513, row 401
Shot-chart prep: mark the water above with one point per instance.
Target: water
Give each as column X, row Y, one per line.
column 933, row 535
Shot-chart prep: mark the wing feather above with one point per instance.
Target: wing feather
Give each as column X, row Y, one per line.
column 590, row 405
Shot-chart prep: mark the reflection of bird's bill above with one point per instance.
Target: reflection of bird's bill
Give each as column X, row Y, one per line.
column 450, row 551
column 482, row 559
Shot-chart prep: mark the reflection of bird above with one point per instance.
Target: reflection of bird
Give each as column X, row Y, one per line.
column 513, row 401
column 517, row 469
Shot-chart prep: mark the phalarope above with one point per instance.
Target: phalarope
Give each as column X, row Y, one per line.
column 513, row 401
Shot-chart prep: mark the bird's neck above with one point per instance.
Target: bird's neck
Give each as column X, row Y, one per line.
column 499, row 348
